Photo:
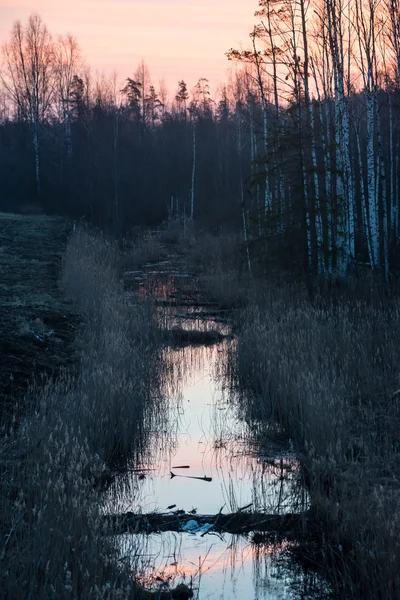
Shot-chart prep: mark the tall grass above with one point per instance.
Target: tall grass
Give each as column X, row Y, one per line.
column 220, row 263
column 50, row 523
column 120, row 365
column 148, row 247
column 329, row 375
column 52, row 542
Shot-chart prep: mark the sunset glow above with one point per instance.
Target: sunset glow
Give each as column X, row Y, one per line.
column 178, row 39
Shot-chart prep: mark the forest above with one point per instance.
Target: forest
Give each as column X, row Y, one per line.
column 300, row 149
column 199, row 312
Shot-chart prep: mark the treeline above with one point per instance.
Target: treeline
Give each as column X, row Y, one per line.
column 117, row 154
column 327, row 74
column 300, row 149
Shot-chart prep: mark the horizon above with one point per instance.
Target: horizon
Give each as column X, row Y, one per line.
column 175, row 40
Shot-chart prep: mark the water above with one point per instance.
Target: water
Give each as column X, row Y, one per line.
column 227, row 567
column 203, row 429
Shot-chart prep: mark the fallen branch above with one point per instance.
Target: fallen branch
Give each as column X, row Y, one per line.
column 238, row 522
column 180, row 336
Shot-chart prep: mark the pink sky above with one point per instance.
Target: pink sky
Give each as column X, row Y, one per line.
column 178, row 39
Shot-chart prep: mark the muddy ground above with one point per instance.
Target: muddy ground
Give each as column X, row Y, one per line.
column 36, row 324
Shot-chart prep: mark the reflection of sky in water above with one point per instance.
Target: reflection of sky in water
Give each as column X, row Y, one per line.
column 222, row 568
column 201, row 428
column 208, row 437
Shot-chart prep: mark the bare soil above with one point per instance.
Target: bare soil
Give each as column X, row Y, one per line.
column 36, row 324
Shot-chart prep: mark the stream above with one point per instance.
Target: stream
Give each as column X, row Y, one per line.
column 204, row 459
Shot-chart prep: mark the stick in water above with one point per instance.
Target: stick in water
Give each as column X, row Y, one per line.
column 189, row 477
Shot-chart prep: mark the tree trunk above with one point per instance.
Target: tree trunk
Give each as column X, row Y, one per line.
column 193, row 173
column 37, row 158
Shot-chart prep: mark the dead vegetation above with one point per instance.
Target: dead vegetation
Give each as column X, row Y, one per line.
column 285, row 525
column 329, row 375
column 147, row 247
column 220, row 265
column 73, row 429
column 323, row 371
column 36, row 323
column 178, row 337
column 120, row 368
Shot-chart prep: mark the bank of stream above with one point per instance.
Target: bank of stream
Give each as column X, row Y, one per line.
column 200, row 510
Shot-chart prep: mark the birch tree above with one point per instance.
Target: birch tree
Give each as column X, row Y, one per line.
column 117, row 103
column 28, row 77
column 239, row 96
column 193, row 111
column 344, row 182
column 255, row 58
column 365, row 23
column 311, row 128
column 393, row 11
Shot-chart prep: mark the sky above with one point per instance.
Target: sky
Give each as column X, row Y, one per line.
column 178, row 39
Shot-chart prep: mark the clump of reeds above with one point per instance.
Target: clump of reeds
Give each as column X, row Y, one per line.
column 146, row 248
column 73, row 430
column 221, row 262
column 329, row 375
column 178, row 231
column 52, row 543
column 118, row 345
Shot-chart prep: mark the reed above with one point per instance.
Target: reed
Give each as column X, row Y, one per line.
column 328, row 374
column 73, row 430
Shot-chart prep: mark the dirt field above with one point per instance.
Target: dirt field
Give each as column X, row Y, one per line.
column 36, row 324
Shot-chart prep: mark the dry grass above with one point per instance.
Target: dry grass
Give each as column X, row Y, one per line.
column 178, row 231
column 52, row 540
column 146, row 248
column 49, row 515
column 120, row 373
column 220, row 262
column 35, row 322
column 330, row 377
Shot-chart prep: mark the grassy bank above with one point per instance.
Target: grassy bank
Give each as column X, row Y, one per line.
column 329, row 375
column 217, row 260
column 120, row 372
column 74, row 428
column 324, row 372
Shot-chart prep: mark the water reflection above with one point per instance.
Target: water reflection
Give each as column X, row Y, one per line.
column 222, row 567
column 203, row 426
column 203, row 431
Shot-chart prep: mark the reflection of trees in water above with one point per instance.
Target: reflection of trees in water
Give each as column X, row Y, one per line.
column 188, row 365
column 228, row 425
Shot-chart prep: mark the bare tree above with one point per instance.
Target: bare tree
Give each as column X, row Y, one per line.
column 28, row 77
column 163, row 95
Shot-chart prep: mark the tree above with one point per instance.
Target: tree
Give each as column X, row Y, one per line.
column 133, row 93
column 202, row 101
column 28, row 77
column 142, row 77
column 78, row 98
column 154, row 106
column 163, row 95
column 67, row 66
column 181, row 97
